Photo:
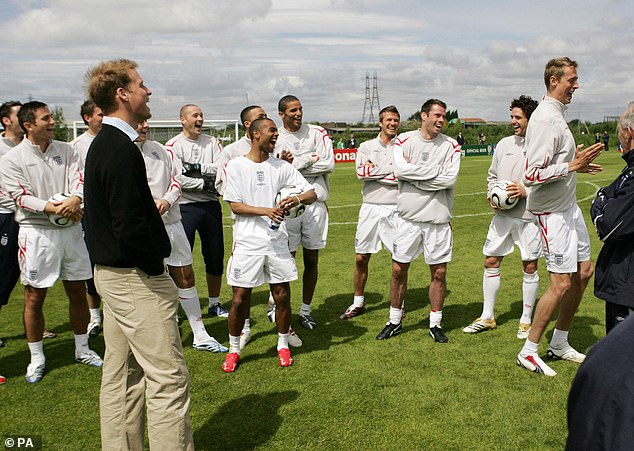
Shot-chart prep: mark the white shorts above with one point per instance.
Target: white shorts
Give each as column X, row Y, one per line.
column 310, row 229
column 415, row 238
column 181, row 252
column 565, row 239
column 249, row 271
column 505, row 231
column 46, row 255
column 376, row 225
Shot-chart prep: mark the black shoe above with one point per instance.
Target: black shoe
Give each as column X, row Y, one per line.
column 438, row 335
column 389, row 331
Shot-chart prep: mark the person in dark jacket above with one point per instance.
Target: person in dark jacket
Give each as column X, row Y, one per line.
column 128, row 243
column 613, row 215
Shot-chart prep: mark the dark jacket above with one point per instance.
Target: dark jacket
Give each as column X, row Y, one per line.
column 613, row 215
column 123, row 225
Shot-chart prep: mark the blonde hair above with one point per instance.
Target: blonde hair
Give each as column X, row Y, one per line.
column 104, row 79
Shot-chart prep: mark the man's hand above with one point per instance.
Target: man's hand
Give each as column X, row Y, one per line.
column 584, row 157
column 514, row 190
column 275, row 214
column 162, row 206
column 287, row 156
column 69, row 208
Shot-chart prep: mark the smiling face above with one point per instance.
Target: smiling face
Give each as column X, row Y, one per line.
column 563, row 88
column 519, row 121
column 266, row 135
column 192, row 120
column 141, row 129
column 389, row 125
column 432, row 122
column 137, row 96
column 40, row 131
column 292, row 116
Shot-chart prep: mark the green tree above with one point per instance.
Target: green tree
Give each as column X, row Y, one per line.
column 60, row 131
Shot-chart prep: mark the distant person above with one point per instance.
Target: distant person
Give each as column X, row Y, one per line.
column 199, row 155
column 352, row 142
column 92, row 116
column 460, row 139
column 376, row 226
column 612, row 215
column 606, row 140
column 144, row 368
column 482, row 138
column 340, row 144
column 552, row 161
column 516, row 226
column 597, row 138
column 426, row 164
column 261, row 252
column 32, row 173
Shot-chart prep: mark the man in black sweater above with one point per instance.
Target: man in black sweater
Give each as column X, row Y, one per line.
column 127, row 242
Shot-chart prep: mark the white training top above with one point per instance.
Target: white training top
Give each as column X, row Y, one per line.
column 549, row 148
column 31, row 177
column 379, row 182
column 233, row 150
column 508, row 164
column 205, row 150
column 162, row 177
column 257, row 184
column 7, row 205
column 427, row 171
column 81, row 144
column 307, row 140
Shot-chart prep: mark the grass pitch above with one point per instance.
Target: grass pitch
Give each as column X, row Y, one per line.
column 346, row 390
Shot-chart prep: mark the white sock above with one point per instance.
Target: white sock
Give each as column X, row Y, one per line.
column 81, row 344
column 490, row 287
column 358, row 301
column 37, row 353
column 190, row 303
column 435, row 318
column 234, row 344
column 529, row 348
column 304, row 309
column 214, row 301
column 247, row 326
column 396, row 315
column 530, row 286
column 560, row 338
column 95, row 315
column 282, row 341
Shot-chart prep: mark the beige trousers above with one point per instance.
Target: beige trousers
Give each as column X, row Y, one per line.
column 143, row 364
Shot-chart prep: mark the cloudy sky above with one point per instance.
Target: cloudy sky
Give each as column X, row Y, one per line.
column 475, row 55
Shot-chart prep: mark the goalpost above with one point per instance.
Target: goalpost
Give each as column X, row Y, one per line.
column 224, row 129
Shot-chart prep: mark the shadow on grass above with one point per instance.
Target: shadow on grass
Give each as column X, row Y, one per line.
column 244, row 423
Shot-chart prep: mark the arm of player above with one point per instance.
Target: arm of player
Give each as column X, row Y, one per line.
column 322, row 160
column 212, row 168
column 368, row 169
column 174, row 190
column 446, row 178
column 17, row 186
column 611, row 211
column 539, row 152
column 273, row 213
column 404, row 170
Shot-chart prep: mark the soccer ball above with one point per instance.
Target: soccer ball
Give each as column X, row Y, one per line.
column 500, row 197
column 290, row 191
column 59, row 220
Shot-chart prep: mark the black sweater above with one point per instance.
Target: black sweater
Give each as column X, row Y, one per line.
column 123, row 226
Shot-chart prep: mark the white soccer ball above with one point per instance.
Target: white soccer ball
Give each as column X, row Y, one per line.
column 59, row 220
column 290, row 191
column 500, row 197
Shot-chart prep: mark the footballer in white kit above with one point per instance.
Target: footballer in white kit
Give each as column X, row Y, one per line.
column 32, row 173
column 309, row 149
column 260, row 251
column 162, row 175
column 516, row 226
column 378, row 214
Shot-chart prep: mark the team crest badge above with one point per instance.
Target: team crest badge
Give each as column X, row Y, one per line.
column 155, row 155
column 32, row 274
column 425, row 156
column 236, row 273
column 4, row 240
column 559, row 259
column 58, row 160
column 259, row 176
column 296, row 146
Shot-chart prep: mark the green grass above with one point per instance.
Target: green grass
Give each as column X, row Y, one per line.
column 346, row 390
